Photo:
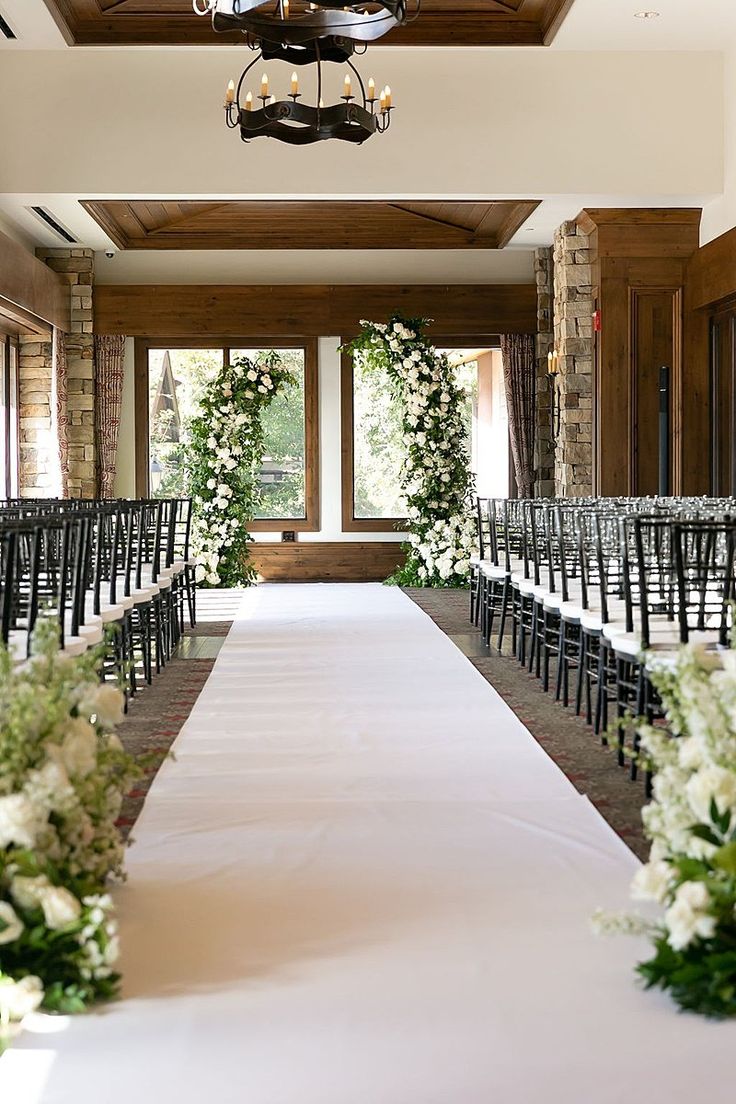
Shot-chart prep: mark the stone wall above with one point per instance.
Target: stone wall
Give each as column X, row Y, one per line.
column 39, row 449
column 544, row 453
column 573, row 340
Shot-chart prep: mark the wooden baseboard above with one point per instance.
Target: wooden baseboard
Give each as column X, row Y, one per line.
column 323, row 562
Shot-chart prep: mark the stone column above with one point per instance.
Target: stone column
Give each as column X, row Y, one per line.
column 573, row 335
column 77, row 265
column 544, row 458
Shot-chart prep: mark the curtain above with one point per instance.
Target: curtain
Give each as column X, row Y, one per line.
column 519, row 373
column 59, row 411
column 109, row 358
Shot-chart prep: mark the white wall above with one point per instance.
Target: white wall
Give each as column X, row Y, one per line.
column 720, row 216
column 469, row 122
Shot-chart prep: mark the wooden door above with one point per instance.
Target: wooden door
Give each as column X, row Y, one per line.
column 723, row 402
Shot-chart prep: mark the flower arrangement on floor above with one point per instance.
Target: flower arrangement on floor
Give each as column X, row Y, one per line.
column 224, row 458
column 436, row 481
column 691, row 823
column 63, row 774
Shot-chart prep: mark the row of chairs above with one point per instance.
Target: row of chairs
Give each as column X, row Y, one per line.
column 601, row 590
column 95, row 566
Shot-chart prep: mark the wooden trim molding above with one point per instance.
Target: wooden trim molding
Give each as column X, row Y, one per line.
column 33, row 298
column 311, row 522
column 312, row 310
column 326, row 562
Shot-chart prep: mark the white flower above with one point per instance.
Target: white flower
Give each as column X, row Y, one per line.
column 252, row 376
column 211, row 484
column 60, row 907
column 26, row 892
column 19, row 998
column 106, row 703
column 711, row 784
column 224, row 491
column 11, row 926
column 211, row 443
column 686, row 919
column 262, row 389
column 79, row 748
column 652, row 882
column 20, row 821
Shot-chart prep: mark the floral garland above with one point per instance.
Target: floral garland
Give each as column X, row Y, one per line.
column 225, row 453
column 63, row 773
column 691, row 823
column 436, row 481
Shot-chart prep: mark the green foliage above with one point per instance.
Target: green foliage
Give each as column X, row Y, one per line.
column 700, row 978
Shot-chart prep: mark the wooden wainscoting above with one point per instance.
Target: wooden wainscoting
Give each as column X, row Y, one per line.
column 323, row 562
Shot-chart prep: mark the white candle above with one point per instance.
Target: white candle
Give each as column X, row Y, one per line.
column 264, row 85
column 230, row 93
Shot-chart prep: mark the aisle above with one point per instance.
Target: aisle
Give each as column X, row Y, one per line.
column 363, row 882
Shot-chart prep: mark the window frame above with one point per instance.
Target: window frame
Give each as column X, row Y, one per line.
column 10, row 428
column 310, row 523
column 351, row 524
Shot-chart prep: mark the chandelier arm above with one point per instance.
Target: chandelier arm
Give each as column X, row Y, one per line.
column 360, row 82
column 319, row 81
column 243, row 75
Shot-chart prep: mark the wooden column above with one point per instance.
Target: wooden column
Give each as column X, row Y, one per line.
column 639, row 259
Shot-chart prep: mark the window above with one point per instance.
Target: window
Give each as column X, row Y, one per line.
column 170, row 378
column 373, row 450
column 9, row 445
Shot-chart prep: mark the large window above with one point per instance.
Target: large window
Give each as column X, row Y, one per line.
column 373, row 449
column 9, row 446
column 170, row 378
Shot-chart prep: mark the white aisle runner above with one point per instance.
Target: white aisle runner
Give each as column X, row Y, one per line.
column 363, row 882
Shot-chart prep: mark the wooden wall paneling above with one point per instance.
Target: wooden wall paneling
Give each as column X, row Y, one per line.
column 711, row 273
column 655, row 316
column 311, row 310
column 323, row 562
column 32, row 297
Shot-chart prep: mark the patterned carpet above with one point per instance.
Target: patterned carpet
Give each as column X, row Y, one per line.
column 566, row 738
column 158, row 713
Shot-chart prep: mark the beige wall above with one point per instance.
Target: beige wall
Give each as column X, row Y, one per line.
column 720, row 216
column 469, row 122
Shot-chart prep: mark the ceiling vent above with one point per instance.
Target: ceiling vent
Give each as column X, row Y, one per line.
column 6, row 29
column 53, row 223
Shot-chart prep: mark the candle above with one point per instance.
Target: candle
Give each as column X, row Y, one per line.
column 249, row 102
column 348, row 91
column 294, row 84
column 371, row 89
column 230, row 93
column 383, row 99
column 388, row 96
column 264, row 85
column 321, row 104
column 285, row 7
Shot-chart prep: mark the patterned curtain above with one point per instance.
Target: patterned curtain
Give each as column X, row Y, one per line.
column 109, row 358
column 59, row 407
column 519, row 373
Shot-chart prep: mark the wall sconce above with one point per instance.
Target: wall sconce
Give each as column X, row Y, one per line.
column 555, row 411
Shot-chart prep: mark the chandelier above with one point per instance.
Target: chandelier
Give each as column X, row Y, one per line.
column 362, row 112
column 292, row 25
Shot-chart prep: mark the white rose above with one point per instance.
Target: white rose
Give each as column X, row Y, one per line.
column 224, row 491
column 26, row 892
column 20, row 821
column 211, row 484
column 652, row 882
column 11, row 926
column 213, row 578
column 79, row 748
column 107, row 704
column 686, row 919
column 262, row 389
column 711, row 784
column 60, row 907
column 211, row 443
column 19, row 998
column 252, row 376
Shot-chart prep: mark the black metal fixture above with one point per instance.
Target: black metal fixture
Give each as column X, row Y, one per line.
column 555, row 399
column 290, row 28
column 361, row 113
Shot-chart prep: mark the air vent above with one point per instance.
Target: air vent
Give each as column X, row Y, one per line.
column 6, row 29
column 53, row 224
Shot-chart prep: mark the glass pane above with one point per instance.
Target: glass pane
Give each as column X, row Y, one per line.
column 175, row 381
column 378, row 448
column 282, row 476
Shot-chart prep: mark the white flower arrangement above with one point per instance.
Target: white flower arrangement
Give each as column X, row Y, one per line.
column 63, row 774
column 436, row 481
column 691, row 822
column 225, row 452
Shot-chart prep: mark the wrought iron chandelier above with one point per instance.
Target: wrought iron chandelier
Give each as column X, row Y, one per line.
column 276, row 26
column 362, row 112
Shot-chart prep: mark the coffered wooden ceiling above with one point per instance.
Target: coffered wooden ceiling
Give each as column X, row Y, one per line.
column 309, row 224
column 442, row 23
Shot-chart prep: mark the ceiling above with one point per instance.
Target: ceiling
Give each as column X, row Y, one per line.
column 309, row 224
column 442, row 23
